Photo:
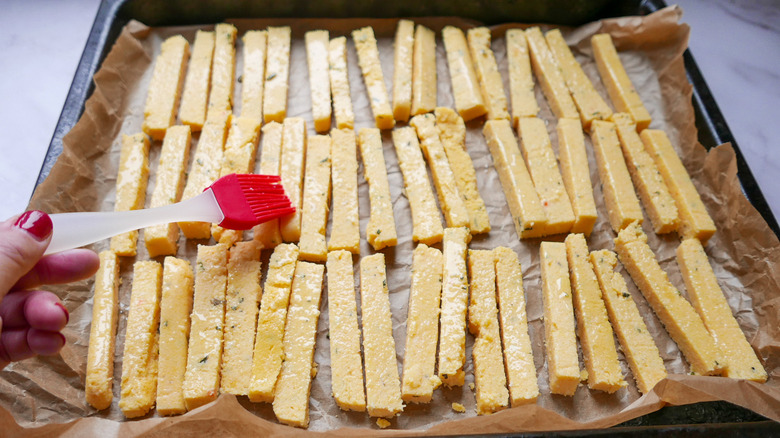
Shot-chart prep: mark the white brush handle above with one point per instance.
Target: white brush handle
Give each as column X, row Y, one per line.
column 72, row 230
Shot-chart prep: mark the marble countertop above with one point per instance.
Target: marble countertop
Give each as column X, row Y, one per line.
column 736, row 44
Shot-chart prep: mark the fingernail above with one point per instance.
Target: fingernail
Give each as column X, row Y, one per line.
column 67, row 314
column 36, row 223
column 63, row 339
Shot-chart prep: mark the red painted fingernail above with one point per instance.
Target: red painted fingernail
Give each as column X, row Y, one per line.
column 64, row 341
column 67, row 314
column 36, row 223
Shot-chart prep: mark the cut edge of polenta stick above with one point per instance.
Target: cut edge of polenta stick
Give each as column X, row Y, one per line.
column 380, row 231
column 317, row 42
column 714, row 310
column 339, row 83
column 131, row 181
column 194, row 98
column 98, row 385
column 679, row 318
column 454, row 303
column 374, row 79
column 419, row 379
column 291, row 170
column 162, row 99
column 576, row 175
column 490, row 81
column 636, row 342
column 253, row 78
column 465, row 85
column 521, row 81
column 424, row 86
column 223, row 70
column 139, row 359
column 549, row 75
column 593, row 328
column 345, row 232
column 267, row 234
column 175, row 307
column 316, row 197
column 277, row 74
column 518, row 355
column 402, row 70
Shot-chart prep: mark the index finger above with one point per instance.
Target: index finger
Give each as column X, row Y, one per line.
column 63, row 267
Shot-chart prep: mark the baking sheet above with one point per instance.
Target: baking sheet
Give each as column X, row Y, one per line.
column 744, row 251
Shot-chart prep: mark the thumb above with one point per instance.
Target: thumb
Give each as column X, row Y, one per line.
column 22, row 243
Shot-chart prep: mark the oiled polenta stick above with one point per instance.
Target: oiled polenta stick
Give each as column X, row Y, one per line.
column 380, row 231
column 402, row 70
column 102, row 334
column 489, row 373
column 175, row 307
column 521, row 82
column 465, row 86
column 131, row 183
column 163, row 239
column 451, row 203
column 316, row 196
column 339, row 83
column 253, row 78
column 194, row 98
column 346, row 363
column 454, row 301
column 291, row 395
column 204, row 352
column 241, row 303
column 594, row 331
column 383, row 387
column 269, row 353
column 576, row 175
column 518, row 356
column 487, row 72
column 368, row 59
column 162, row 99
column 678, row 316
column 267, row 234
column 277, row 74
column 345, row 233
column 422, row 326
column 223, row 70
column 139, row 360
column 426, row 222
column 291, row 170
column 424, row 71
column 549, row 75
column 317, row 42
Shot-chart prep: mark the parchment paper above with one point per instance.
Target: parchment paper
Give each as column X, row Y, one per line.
column 46, row 395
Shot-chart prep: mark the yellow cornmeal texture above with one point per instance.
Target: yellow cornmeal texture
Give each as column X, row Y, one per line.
column 163, row 239
column 549, row 75
column 450, row 201
column 277, row 74
column 316, row 194
column 241, row 302
column 590, row 105
column 422, row 326
column 380, row 231
column 339, row 83
column 223, row 70
column 383, row 387
column 452, row 133
column 204, row 352
column 131, row 187
column 269, row 354
column 175, row 306
column 524, row 205
column 559, row 339
column 675, row 312
column 139, row 360
column 487, row 72
column 576, row 175
column 402, row 70
column 205, row 169
column 267, row 234
column 317, row 42
column 465, row 86
column 291, row 396
column 543, row 167
column 253, row 78
column 368, row 59
column 619, row 87
column 636, row 341
column 621, row 201
column 594, row 331
column 426, row 219
column 521, row 83
column 346, row 363
column 162, row 99
column 454, row 301
column 710, row 303
column 195, row 95
column 518, row 356
column 345, row 232
column 291, row 171
column 659, row 204
column 694, row 219
column 98, row 385
column 489, row 374
column 424, row 71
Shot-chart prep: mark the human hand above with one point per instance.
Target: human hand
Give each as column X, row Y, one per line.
column 31, row 320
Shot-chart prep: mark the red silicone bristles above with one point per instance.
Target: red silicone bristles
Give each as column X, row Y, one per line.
column 247, row 200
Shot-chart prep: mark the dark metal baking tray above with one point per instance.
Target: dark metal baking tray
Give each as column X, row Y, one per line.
column 701, row 419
